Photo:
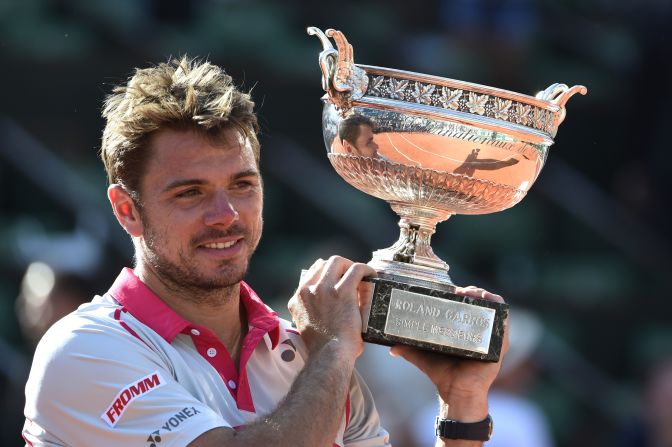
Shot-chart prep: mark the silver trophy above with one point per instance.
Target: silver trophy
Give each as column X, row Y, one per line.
column 431, row 147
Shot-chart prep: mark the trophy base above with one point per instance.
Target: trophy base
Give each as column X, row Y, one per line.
column 429, row 316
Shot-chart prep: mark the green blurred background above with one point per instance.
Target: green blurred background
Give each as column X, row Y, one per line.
column 587, row 251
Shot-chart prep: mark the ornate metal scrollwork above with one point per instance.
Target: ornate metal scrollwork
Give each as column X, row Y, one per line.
column 341, row 78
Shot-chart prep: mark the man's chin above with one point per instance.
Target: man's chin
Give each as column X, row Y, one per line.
column 220, row 280
column 214, row 286
column 210, row 285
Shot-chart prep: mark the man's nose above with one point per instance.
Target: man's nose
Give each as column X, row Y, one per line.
column 221, row 212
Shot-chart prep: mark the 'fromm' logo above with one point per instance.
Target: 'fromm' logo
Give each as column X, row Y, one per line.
column 129, row 394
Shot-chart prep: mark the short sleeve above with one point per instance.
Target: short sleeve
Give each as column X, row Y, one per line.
column 98, row 384
column 364, row 429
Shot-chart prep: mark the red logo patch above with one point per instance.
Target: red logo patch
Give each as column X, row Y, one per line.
column 131, row 392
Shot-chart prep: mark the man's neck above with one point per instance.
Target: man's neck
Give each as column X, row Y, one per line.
column 220, row 310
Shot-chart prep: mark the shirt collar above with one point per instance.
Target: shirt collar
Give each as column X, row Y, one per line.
column 141, row 302
column 259, row 315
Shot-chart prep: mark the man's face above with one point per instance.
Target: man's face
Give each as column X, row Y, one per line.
column 364, row 143
column 201, row 209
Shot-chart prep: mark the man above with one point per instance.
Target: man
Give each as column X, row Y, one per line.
column 356, row 135
column 181, row 351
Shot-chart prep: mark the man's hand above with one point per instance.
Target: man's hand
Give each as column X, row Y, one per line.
column 462, row 384
column 326, row 306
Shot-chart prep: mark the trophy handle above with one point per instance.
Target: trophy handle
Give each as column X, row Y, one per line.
column 346, row 64
column 326, row 57
column 341, row 78
column 559, row 94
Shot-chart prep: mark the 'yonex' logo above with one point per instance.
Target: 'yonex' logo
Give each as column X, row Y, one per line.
column 171, row 424
column 129, row 394
column 154, row 438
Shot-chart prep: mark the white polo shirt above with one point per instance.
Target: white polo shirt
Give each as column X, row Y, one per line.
column 127, row 370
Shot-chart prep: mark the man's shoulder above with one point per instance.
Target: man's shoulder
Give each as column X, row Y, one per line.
column 92, row 328
column 98, row 312
column 90, row 347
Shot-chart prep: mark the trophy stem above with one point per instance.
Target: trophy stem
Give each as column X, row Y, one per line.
column 412, row 254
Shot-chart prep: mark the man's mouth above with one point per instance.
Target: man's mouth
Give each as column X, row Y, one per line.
column 221, row 245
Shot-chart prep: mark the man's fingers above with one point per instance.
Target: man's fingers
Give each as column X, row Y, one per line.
column 308, row 279
column 312, row 275
column 336, row 272
column 354, row 275
column 365, row 292
column 477, row 292
column 325, row 277
column 333, row 270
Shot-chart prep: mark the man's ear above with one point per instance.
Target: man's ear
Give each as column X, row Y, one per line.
column 348, row 147
column 125, row 210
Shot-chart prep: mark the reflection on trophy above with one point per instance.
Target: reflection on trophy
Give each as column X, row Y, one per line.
column 431, row 147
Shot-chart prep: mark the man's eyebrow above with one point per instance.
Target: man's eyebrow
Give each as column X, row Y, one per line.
column 246, row 173
column 183, row 182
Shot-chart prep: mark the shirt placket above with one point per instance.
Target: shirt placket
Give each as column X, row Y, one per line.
column 212, row 350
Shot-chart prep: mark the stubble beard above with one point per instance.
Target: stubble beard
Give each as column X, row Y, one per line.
column 184, row 275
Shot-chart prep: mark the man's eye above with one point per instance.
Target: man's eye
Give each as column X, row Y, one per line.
column 243, row 184
column 189, row 193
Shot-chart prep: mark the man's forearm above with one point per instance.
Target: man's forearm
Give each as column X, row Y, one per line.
column 310, row 414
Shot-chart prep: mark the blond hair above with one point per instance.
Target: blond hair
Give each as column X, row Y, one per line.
column 182, row 93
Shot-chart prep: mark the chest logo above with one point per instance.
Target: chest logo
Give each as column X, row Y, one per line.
column 288, row 354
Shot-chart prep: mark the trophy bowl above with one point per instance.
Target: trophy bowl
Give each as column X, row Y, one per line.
column 431, row 147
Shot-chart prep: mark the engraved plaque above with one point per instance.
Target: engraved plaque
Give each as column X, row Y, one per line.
column 439, row 321
column 433, row 319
